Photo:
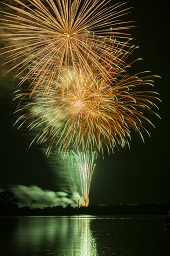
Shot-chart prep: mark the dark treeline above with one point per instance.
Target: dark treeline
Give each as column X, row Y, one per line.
column 139, row 209
column 9, row 205
column 125, row 209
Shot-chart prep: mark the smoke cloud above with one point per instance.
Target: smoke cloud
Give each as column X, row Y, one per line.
column 36, row 197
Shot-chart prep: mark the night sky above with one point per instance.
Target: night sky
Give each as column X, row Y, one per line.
column 138, row 175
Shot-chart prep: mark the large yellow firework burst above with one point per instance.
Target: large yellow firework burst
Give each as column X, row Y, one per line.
column 89, row 114
column 81, row 101
column 49, row 35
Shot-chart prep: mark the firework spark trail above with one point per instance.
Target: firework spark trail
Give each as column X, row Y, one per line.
column 80, row 110
column 88, row 114
column 50, row 36
column 78, row 168
column 111, row 64
column 81, row 98
column 85, row 162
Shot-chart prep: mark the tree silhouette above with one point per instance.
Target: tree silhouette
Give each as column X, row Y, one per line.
column 8, row 201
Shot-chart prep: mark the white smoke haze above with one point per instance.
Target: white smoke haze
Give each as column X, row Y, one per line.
column 36, row 197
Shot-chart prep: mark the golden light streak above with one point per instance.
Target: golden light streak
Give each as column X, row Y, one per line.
column 46, row 36
column 89, row 114
column 81, row 98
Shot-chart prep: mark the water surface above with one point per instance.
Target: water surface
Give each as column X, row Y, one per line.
column 83, row 236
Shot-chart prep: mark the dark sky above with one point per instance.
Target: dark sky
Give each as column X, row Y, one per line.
column 138, row 175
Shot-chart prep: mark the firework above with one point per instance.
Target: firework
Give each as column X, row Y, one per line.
column 81, row 98
column 47, row 36
column 78, row 168
column 89, row 114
